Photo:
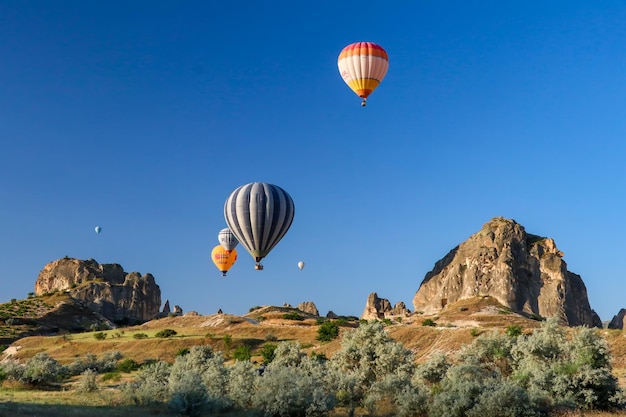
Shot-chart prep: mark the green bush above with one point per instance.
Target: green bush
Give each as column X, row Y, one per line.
column 293, row 316
column 327, row 331
column 111, row 376
column 228, row 341
column 268, row 352
column 428, row 322
column 242, row 353
column 127, row 365
column 140, row 336
column 100, row 336
column 166, row 333
column 182, row 351
column 514, row 330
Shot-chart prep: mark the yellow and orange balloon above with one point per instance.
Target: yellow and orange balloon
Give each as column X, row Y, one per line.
column 363, row 65
column 223, row 259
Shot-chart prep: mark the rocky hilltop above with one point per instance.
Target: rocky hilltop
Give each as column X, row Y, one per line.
column 104, row 288
column 523, row 272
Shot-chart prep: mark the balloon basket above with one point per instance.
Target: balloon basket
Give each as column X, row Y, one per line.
column 258, row 267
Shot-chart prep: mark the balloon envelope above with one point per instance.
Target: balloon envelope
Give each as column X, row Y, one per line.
column 300, row 264
column 227, row 239
column 223, row 259
column 98, row 229
column 363, row 65
column 259, row 214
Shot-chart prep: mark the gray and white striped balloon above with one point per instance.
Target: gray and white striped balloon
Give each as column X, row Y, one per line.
column 227, row 239
column 259, row 214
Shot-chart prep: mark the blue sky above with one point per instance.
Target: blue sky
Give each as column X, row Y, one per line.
column 141, row 117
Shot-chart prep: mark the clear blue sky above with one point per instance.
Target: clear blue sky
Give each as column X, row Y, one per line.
column 142, row 116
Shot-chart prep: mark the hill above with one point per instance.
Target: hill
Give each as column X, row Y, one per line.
column 455, row 326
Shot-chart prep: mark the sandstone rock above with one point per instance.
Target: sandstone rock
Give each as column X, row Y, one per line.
column 331, row 315
column 379, row 308
column 104, row 288
column 178, row 311
column 308, row 307
column 521, row 271
column 166, row 307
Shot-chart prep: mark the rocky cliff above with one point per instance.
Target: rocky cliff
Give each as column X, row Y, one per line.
column 522, row 271
column 380, row 308
column 104, row 288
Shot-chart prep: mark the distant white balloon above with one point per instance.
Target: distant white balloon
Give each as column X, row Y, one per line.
column 98, row 229
column 227, row 239
column 300, row 265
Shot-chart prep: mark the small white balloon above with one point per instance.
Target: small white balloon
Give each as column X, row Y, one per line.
column 301, row 265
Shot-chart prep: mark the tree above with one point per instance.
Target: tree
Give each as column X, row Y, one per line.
column 368, row 354
column 328, row 330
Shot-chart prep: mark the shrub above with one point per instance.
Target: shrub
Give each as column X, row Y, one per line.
column 240, row 383
column 100, row 336
column 242, row 353
column 270, row 337
column 41, row 369
column 327, row 331
column 165, row 333
column 188, row 394
column 475, row 331
column 368, row 354
column 514, row 330
column 292, row 390
column 228, row 341
column 293, row 316
column 127, row 365
column 387, row 321
column 151, row 385
column 140, row 336
column 87, row 381
column 268, row 352
column 182, row 351
column 111, row 376
column 428, row 322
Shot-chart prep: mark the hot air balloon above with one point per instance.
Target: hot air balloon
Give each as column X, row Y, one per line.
column 227, row 239
column 223, row 259
column 363, row 65
column 98, row 229
column 259, row 214
column 300, row 265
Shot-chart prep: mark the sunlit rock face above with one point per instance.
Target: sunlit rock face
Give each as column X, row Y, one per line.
column 380, row 308
column 522, row 271
column 104, row 288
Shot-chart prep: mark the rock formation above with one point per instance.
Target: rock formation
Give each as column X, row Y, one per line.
column 618, row 321
column 308, row 307
column 522, row 271
column 380, row 308
column 104, row 288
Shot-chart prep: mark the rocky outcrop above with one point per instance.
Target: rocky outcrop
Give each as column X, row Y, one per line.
column 308, row 307
column 522, row 271
column 379, row 308
column 618, row 321
column 104, row 288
